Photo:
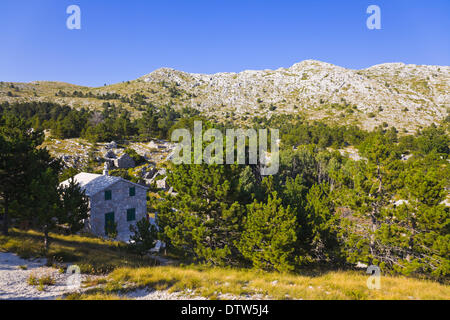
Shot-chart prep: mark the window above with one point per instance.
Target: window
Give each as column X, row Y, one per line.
column 131, row 214
column 132, row 191
column 110, row 226
column 108, row 195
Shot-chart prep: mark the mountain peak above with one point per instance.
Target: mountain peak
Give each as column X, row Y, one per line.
column 389, row 92
column 403, row 95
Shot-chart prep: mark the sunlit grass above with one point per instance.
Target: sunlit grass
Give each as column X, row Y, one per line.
column 41, row 282
column 128, row 272
column 243, row 283
column 93, row 255
column 94, row 296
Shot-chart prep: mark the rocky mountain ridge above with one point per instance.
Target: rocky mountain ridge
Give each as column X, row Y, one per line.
column 320, row 89
column 404, row 96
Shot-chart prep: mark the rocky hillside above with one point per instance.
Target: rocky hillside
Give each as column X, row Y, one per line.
column 405, row 96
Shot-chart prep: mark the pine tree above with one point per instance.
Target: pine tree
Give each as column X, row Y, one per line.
column 46, row 203
column 269, row 235
column 18, row 152
column 204, row 220
column 320, row 231
column 420, row 238
column 143, row 237
column 367, row 197
column 316, row 222
column 411, row 237
column 74, row 205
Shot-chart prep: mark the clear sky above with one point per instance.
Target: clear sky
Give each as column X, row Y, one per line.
column 123, row 40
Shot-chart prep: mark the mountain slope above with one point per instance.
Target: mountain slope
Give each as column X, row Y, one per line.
column 405, row 96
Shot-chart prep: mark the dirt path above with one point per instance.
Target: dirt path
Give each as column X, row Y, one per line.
column 14, row 275
column 15, row 272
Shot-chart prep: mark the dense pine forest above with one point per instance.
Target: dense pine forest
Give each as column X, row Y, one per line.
column 323, row 209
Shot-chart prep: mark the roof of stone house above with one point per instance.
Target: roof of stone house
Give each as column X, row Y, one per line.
column 125, row 156
column 93, row 183
column 110, row 154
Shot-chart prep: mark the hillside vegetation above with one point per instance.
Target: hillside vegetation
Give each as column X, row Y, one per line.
column 124, row 272
column 92, row 255
column 407, row 96
column 228, row 283
column 343, row 195
column 387, row 205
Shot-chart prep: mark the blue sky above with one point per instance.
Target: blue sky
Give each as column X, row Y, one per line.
column 123, row 40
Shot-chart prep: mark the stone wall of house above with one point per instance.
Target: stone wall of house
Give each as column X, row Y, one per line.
column 125, row 161
column 120, row 202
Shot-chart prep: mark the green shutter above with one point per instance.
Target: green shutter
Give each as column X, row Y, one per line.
column 132, row 191
column 108, row 195
column 131, row 214
column 109, row 223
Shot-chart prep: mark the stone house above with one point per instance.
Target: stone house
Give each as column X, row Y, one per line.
column 109, row 157
column 112, row 199
column 124, row 162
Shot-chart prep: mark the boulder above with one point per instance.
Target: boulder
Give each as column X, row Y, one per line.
column 162, row 184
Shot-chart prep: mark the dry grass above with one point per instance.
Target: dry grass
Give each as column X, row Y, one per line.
column 45, row 280
column 213, row 282
column 128, row 271
column 41, row 282
column 92, row 255
column 96, row 296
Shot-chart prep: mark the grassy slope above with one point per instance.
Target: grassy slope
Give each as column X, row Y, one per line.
column 92, row 255
column 95, row 255
column 210, row 282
